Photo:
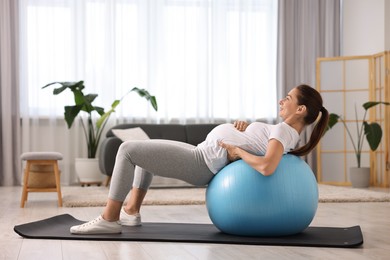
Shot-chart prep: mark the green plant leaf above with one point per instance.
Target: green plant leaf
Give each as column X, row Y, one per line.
column 64, row 85
column 56, row 91
column 145, row 94
column 115, row 103
column 153, row 101
column 100, row 110
column 85, row 103
column 73, row 85
column 141, row 92
column 370, row 104
column 333, row 119
column 106, row 115
column 373, row 134
column 76, row 85
column 50, row 84
column 103, row 118
column 90, row 98
column 70, row 114
column 78, row 97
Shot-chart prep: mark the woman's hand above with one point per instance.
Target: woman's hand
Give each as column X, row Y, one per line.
column 240, row 125
column 232, row 151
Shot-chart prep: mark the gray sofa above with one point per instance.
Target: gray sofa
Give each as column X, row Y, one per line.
column 190, row 133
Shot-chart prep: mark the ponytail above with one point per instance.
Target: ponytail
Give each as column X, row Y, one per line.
column 313, row 101
column 316, row 135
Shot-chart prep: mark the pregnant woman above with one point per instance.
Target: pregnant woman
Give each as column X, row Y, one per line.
column 260, row 145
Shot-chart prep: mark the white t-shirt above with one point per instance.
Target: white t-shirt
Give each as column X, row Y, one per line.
column 254, row 140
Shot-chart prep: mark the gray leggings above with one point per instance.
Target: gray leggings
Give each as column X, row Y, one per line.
column 137, row 162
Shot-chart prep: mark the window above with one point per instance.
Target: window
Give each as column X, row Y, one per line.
column 203, row 59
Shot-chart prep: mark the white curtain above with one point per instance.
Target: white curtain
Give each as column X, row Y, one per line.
column 10, row 170
column 307, row 30
column 204, row 60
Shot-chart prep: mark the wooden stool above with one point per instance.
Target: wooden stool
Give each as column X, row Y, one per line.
column 41, row 159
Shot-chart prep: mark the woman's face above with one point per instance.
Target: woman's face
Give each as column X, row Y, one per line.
column 288, row 106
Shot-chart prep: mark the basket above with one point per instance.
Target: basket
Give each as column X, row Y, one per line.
column 42, row 176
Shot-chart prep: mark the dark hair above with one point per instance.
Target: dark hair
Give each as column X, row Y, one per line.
column 310, row 98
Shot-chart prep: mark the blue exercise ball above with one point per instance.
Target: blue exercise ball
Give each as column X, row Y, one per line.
column 241, row 201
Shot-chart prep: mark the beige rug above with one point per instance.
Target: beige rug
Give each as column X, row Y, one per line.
column 96, row 196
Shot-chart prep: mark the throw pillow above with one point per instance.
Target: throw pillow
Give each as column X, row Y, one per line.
column 135, row 133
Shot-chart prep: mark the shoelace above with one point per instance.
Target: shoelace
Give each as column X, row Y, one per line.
column 90, row 222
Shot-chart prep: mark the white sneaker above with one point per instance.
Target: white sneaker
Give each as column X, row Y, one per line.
column 97, row 226
column 130, row 220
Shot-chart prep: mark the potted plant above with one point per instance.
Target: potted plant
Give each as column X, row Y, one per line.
column 360, row 176
column 92, row 129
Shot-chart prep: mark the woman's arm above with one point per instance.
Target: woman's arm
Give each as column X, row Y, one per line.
column 266, row 164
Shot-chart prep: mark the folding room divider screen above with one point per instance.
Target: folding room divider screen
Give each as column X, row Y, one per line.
column 345, row 84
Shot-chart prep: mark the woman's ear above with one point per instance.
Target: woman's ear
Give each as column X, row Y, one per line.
column 301, row 109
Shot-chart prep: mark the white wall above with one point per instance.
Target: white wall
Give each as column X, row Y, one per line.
column 387, row 25
column 364, row 27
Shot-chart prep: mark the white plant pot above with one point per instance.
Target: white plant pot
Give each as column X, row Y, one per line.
column 88, row 172
column 360, row 177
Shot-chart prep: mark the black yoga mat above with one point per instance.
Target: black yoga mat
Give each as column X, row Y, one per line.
column 58, row 228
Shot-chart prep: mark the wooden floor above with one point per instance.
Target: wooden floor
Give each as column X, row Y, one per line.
column 374, row 219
